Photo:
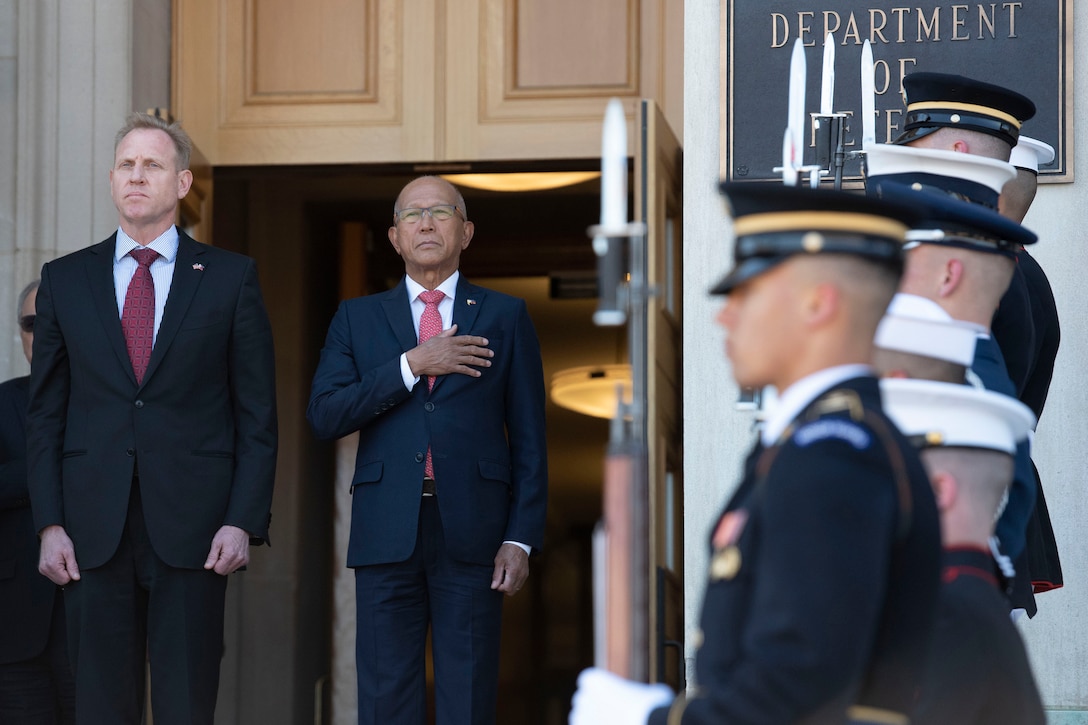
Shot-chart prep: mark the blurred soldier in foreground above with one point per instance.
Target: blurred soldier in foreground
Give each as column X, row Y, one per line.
column 824, row 564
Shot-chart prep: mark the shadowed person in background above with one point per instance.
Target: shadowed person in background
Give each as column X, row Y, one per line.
column 36, row 686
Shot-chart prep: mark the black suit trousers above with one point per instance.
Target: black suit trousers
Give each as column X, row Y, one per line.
column 136, row 605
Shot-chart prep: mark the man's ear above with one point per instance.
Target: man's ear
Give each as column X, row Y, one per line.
column 951, row 275
column 945, row 489
column 185, row 182
column 822, row 302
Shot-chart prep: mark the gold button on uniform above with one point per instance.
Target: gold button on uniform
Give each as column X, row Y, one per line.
column 725, row 564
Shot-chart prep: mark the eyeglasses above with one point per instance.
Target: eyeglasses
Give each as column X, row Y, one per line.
column 440, row 213
column 26, row 323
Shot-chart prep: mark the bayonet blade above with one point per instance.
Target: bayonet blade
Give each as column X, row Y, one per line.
column 827, row 79
column 868, row 98
column 797, row 106
column 789, row 165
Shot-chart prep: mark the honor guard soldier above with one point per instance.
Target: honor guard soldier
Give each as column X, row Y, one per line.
column 956, row 113
column 824, row 565
column 918, row 339
column 963, row 257
column 978, row 671
column 1044, row 565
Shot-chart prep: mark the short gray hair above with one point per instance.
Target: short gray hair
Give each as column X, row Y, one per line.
column 23, row 295
column 460, row 203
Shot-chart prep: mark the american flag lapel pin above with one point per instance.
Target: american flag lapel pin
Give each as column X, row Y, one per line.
column 470, row 302
column 198, row 267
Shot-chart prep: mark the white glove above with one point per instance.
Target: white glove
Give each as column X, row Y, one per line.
column 603, row 698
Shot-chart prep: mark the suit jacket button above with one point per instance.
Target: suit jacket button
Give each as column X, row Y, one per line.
column 131, row 451
column 139, row 403
column 419, row 458
column 429, row 407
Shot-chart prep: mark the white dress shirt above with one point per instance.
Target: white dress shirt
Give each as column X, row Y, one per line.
column 162, row 269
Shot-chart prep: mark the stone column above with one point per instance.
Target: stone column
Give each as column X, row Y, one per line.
column 66, row 81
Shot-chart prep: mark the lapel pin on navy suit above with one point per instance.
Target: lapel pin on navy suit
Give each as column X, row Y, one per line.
column 470, row 302
column 198, row 267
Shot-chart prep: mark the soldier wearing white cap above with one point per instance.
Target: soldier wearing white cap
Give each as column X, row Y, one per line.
column 963, row 257
column 1026, row 327
column 978, row 671
column 918, row 339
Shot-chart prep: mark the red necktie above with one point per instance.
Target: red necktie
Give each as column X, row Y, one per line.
column 430, row 324
column 138, row 316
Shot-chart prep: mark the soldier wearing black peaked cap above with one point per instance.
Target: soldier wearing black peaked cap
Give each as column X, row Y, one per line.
column 823, row 566
column 943, row 100
column 963, row 257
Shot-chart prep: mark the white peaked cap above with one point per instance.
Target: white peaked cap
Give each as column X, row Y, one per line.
column 1031, row 153
column 921, row 327
column 951, row 415
column 891, row 160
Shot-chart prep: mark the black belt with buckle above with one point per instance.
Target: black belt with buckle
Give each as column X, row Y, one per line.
column 429, row 487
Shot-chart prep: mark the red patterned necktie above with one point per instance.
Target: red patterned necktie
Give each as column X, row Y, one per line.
column 430, row 324
column 138, row 316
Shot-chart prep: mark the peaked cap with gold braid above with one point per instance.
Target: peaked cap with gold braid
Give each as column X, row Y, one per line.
column 772, row 223
column 938, row 100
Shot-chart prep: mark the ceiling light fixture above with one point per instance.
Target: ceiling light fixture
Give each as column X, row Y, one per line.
column 592, row 389
column 521, row 181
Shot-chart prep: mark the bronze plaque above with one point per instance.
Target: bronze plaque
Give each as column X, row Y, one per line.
column 1023, row 45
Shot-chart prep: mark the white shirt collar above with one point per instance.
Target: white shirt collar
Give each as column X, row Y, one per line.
column 796, row 397
column 448, row 286
column 166, row 244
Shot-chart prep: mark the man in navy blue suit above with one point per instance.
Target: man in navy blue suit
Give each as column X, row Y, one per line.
column 450, row 483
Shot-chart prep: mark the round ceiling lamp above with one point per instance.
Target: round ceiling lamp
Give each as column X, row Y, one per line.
column 592, row 389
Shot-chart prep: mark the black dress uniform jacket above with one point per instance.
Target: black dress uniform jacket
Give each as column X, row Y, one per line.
column 1026, row 328
column 1044, row 564
column 978, row 671
column 823, row 576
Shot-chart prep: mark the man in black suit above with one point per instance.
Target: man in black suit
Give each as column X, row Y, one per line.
column 443, row 381
column 36, row 686
column 824, row 564
column 152, row 430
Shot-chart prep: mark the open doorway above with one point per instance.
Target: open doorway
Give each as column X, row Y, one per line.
column 311, row 228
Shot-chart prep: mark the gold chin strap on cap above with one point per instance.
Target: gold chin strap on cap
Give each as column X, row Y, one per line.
column 824, row 221
column 966, row 108
column 863, row 715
